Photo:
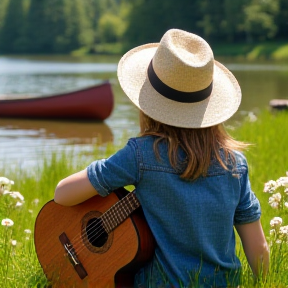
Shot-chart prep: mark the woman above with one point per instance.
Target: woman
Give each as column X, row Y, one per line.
column 190, row 176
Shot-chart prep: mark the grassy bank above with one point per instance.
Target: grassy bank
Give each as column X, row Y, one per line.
column 253, row 51
column 19, row 266
column 277, row 50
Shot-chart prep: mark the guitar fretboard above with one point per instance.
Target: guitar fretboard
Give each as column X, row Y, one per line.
column 119, row 211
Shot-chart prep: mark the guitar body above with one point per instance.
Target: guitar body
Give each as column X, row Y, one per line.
column 110, row 262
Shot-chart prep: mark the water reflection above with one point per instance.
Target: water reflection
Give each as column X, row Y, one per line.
column 79, row 132
column 25, row 142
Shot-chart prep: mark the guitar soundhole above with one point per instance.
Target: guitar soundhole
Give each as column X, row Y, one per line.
column 96, row 233
column 94, row 236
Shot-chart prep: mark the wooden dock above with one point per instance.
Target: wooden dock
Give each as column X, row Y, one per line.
column 279, row 104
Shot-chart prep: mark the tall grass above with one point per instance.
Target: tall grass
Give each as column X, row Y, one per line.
column 267, row 159
column 268, row 156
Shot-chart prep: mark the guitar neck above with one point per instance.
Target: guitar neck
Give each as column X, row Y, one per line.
column 119, row 211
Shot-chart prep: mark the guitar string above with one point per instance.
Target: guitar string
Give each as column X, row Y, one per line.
column 96, row 235
column 102, row 231
column 99, row 227
column 103, row 216
column 91, row 226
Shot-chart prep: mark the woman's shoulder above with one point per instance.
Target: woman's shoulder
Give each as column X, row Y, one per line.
column 143, row 141
column 239, row 163
column 235, row 162
column 240, row 158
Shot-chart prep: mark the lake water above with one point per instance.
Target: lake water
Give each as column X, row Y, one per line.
column 23, row 142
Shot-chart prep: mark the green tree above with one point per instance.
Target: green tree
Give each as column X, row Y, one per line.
column 39, row 31
column 221, row 20
column 110, row 28
column 149, row 19
column 96, row 9
column 232, row 23
column 3, row 7
column 260, row 19
column 282, row 19
column 212, row 19
column 12, row 30
column 77, row 28
column 61, row 26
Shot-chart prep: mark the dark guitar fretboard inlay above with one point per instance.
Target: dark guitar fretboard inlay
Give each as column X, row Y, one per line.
column 119, row 211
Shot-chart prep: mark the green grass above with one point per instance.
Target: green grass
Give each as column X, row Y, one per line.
column 274, row 50
column 253, row 51
column 267, row 158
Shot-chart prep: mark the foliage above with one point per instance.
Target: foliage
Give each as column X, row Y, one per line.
column 216, row 21
column 12, row 39
column 259, row 21
column 110, row 28
column 62, row 25
column 149, row 19
column 67, row 25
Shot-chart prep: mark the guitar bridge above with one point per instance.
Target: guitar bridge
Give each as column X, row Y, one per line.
column 72, row 256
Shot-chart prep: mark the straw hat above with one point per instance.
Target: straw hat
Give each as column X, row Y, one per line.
column 178, row 82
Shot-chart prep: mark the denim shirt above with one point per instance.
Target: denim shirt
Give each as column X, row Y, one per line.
column 192, row 221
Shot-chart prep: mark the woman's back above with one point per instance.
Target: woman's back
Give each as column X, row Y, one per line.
column 192, row 221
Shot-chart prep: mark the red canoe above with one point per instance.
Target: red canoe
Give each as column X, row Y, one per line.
column 95, row 102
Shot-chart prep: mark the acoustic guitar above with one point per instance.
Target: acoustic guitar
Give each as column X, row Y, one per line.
column 99, row 243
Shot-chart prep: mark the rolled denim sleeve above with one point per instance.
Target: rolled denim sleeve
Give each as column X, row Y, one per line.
column 248, row 209
column 118, row 170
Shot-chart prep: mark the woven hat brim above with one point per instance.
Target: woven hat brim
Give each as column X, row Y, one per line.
column 223, row 102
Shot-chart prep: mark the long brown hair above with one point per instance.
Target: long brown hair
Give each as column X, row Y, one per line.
column 199, row 145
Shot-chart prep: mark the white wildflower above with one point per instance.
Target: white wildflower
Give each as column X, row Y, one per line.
column 277, row 197
column 284, row 230
column 276, row 221
column 7, row 222
column 270, row 186
column 4, row 181
column 27, row 231
column 283, row 181
column 274, row 200
column 16, row 194
column 274, row 204
column 18, row 204
column 272, row 231
column 6, row 192
column 35, row 201
column 5, row 184
column 286, row 204
column 252, row 117
column 14, row 242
